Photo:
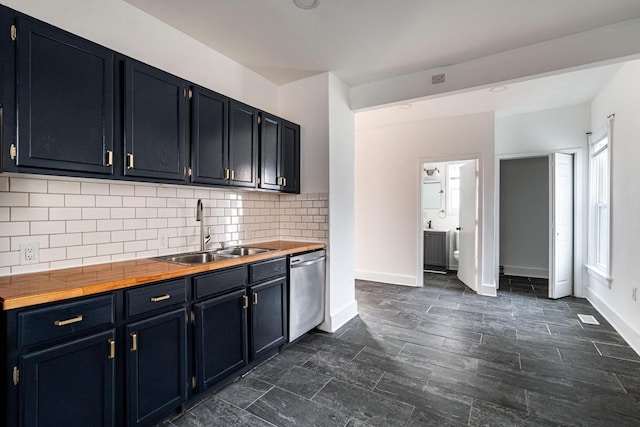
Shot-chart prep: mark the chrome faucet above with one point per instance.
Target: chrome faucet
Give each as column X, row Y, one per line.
column 200, row 218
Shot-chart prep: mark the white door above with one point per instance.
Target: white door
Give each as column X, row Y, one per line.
column 561, row 225
column 468, row 257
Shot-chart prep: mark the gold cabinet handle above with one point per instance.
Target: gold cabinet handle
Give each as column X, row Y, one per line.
column 160, row 298
column 68, row 321
column 134, row 341
column 284, row 181
column 233, row 174
column 246, row 302
column 129, row 161
column 109, row 158
column 279, row 181
column 112, row 348
column 227, row 173
column 255, row 298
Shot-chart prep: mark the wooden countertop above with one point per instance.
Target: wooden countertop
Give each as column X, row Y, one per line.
column 37, row 288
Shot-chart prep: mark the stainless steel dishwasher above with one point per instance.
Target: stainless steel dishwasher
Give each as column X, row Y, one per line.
column 306, row 292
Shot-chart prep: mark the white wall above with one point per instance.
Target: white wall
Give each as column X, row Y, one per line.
column 524, row 216
column 341, row 274
column 306, row 102
column 128, row 30
column 388, row 184
column 622, row 97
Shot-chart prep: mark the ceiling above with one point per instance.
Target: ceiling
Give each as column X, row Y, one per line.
column 557, row 91
column 361, row 41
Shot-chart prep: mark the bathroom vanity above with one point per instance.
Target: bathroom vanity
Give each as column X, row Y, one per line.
column 435, row 250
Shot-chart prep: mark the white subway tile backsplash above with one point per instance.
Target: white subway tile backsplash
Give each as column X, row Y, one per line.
column 133, row 202
column 96, row 237
column 69, row 239
column 14, row 199
column 110, row 248
column 27, row 185
column 123, row 213
column 65, row 213
column 94, row 188
column 109, row 224
column 29, row 214
column 121, row 190
column 64, row 187
column 145, row 191
column 79, row 200
column 81, row 226
column 96, row 213
column 81, row 251
column 46, row 200
column 109, row 201
column 47, row 227
column 90, row 222
column 42, row 241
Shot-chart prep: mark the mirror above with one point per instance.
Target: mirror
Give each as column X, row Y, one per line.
column 431, row 195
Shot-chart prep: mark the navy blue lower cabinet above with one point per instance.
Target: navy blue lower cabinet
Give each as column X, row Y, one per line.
column 156, row 366
column 268, row 316
column 70, row 384
column 220, row 337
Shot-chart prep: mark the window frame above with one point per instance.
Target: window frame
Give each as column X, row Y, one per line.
column 600, row 203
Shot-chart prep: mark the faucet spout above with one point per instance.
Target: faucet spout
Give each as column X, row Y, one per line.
column 200, row 218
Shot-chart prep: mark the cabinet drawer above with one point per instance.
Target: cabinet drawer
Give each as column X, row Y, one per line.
column 219, row 282
column 157, row 296
column 267, row 269
column 65, row 320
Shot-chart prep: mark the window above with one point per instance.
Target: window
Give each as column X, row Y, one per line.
column 599, row 197
column 453, row 190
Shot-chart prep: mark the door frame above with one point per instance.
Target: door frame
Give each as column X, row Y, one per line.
column 579, row 212
column 478, row 157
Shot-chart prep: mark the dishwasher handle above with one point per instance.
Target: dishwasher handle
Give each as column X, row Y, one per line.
column 306, row 263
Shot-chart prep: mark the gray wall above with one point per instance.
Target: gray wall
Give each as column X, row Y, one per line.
column 524, row 216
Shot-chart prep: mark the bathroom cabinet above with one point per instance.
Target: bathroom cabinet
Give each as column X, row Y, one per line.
column 435, row 250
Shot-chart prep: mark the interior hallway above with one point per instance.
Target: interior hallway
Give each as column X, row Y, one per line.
column 443, row 356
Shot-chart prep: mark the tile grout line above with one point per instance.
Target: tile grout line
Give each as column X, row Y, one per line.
column 615, row 374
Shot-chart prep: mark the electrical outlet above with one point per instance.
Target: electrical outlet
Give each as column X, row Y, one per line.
column 634, row 294
column 437, row 78
column 29, row 253
column 163, row 239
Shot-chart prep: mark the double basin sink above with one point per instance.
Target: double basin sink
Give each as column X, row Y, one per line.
column 198, row 258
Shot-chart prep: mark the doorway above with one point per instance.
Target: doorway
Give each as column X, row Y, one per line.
column 536, row 226
column 449, row 218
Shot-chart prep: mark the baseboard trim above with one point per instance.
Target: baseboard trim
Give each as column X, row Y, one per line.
column 619, row 324
column 394, row 279
column 514, row 270
column 489, row 290
column 339, row 319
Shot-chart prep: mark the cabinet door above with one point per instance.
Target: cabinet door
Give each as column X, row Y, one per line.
column 154, row 122
column 221, row 337
column 268, row 316
column 209, row 136
column 435, row 250
column 64, row 100
column 243, row 137
column 70, row 384
column 290, row 157
column 156, row 366
column 270, row 129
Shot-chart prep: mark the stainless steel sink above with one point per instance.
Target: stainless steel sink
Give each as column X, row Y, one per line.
column 242, row 251
column 195, row 258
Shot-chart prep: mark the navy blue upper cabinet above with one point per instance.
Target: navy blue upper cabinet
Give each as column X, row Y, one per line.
column 154, row 123
column 243, row 144
column 64, row 100
column 209, row 137
column 279, row 154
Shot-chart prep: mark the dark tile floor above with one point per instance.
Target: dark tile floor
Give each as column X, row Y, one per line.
column 443, row 356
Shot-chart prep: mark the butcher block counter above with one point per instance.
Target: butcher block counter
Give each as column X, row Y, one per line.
column 37, row 288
